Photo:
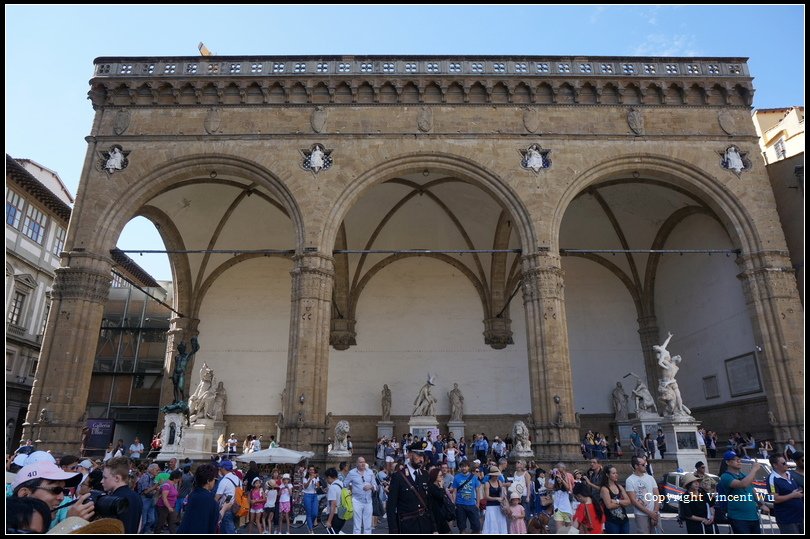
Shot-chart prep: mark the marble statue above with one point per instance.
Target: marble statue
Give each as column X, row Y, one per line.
column 341, row 432
column 115, row 161
column 522, row 446
column 734, row 160
column 425, row 403
column 456, row 403
column 668, row 390
column 221, row 444
column 220, row 401
column 620, row 399
column 386, row 403
column 201, row 402
column 643, row 399
column 180, row 363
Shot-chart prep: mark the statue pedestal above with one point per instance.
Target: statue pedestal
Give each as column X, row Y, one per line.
column 457, row 428
column 341, row 453
column 385, row 428
column 681, row 435
column 200, row 440
column 419, row 426
column 174, row 429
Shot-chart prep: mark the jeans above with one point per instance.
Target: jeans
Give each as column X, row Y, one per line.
column 744, row 526
column 148, row 514
column 362, row 516
column 311, row 507
column 612, row 527
column 468, row 512
column 227, row 524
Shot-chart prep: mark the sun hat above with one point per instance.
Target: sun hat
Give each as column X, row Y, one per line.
column 256, row 480
column 494, row 470
column 688, row 478
column 46, row 470
column 86, row 464
column 514, row 495
column 389, row 459
column 285, row 476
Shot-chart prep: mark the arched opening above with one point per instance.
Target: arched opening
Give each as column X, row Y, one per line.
column 619, row 304
column 397, row 314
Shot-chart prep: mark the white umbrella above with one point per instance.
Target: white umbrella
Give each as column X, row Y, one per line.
column 276, row 455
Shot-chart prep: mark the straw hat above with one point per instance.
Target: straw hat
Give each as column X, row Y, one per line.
column 494, row 470
column 102, row 526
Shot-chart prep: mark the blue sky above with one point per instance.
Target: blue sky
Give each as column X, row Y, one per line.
column 50, row 52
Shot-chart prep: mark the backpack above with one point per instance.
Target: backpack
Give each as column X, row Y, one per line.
column 345, row 508
column 721, row 505
column 241, row 502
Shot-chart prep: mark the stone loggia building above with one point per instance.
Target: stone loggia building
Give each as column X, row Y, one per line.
column 571, row 184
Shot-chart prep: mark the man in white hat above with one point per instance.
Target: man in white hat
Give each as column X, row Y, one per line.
column 49, row 483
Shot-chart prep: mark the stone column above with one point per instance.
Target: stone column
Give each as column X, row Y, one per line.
column 180, row 329
column 308, row 361
column 62, row 382
column 769, row 285
column 649, row 333
column 555, row 433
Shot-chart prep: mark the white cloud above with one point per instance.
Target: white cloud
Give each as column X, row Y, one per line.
column 668, row 45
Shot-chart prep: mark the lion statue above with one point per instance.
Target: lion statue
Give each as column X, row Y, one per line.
column 520, row 436
column 341, row 431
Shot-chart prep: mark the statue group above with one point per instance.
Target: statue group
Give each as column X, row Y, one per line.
column 668, row 392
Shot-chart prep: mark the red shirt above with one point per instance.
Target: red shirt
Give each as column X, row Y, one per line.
column 595, row 523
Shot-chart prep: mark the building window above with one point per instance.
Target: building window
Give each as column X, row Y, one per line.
column 34, row 224
column 14, row 206
column 33, row 372
column 10, row 357
column 58, row 240
column 15, row 311
column 779, row 148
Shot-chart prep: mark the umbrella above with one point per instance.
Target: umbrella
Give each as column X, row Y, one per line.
column 276, row 455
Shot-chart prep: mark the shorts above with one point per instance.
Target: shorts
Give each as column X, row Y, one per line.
column 268, row 510
column 559, row 516
column 283, row 507
column 256, row 511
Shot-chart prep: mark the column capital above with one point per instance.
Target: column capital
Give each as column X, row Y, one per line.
column 543, row 277
column 81, row 284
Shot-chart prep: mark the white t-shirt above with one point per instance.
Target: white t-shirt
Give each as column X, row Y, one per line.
column 227, row 485
column 284, row 492
column 232, row 445
column 312, row 488
column 272, row 494
column 451, row 454
column 135, row 450
column 257, row 445
column 644, row 487
column 333, row 494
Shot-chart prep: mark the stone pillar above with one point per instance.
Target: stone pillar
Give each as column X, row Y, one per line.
column 649, row 333
column 62, row 382
column 769, row 286
column 180, row 329
column 308, row 361
column 555, row 433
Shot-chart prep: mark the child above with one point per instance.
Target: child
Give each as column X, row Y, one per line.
column 285, row 496
column 270, row 504
column 257, row 499
column 517, row 524
column 589, row 517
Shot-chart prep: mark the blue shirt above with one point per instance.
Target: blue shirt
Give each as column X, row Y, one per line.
column 355, row 480
column 789, row 511
column 466, row 495
column 201, row 514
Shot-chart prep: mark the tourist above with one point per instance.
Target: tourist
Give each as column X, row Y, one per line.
column 616, row 501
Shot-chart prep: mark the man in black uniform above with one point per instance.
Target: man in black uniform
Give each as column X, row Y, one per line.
column 407, row 497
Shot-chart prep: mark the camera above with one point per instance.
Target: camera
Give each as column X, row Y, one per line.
column 107, row 505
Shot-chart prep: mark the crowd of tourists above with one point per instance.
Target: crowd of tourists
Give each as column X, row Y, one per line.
column 417, row 485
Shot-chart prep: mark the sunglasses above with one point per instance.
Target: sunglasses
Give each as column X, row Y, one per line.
column 56, row 491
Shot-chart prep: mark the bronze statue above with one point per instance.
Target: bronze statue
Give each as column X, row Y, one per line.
column 180, row 363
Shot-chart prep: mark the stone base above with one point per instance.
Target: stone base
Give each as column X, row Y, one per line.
column 200, row 440
column 174, row 427
column 682, row 440
column 457, row 428
column 419, row 426
column 339, row 454
column 385, row 428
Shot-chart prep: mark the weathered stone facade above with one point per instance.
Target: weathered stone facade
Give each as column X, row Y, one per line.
column 252, row 125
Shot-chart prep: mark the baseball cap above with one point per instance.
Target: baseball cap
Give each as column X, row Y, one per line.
column 39, row 456
column 729, row 455
column 46, row 470
column 86, row 464
column 389, row 459
column 20, row 459
column 285, row 476
column 227, row 464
